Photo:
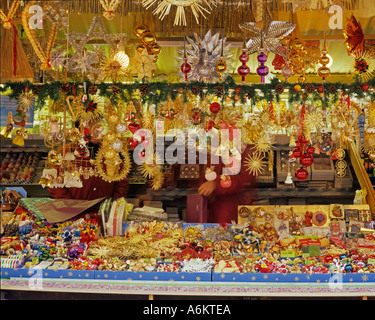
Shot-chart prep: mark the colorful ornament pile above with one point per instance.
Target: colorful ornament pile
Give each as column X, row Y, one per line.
column 29, row 242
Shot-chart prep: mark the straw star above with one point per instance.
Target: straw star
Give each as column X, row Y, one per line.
column 267, row 35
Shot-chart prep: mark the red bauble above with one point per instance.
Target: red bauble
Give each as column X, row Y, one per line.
column 320, row 89
column 244, row 56
column 243, row 70
column 226, row 183
column 310, row 149
column 302, row 174
column 365, row 87
column 297, row 152
column 307, row 160
column 185, row 68
column 215, row 107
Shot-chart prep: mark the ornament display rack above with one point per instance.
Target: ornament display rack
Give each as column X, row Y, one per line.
column 270, row 189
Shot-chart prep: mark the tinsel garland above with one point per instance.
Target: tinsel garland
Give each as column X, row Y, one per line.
column 159, row 92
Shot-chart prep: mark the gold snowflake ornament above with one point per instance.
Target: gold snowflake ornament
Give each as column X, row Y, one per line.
column 254, row 164
column 144, row 64
column 163, row 8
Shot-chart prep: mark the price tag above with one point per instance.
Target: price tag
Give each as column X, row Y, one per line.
column 288, row 254
column 371, row 261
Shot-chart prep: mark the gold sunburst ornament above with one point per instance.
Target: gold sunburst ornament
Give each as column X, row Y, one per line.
column 254, row 164
column 114, row 69
column 263, row 144
column 163, row 8
column 26, row 100
column 313, row 120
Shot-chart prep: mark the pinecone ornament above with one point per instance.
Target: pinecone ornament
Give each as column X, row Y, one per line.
column 332, row 88
column 143, row 89
column 219, row 91
column 195, row 90
column 115, row 89
column 35, row 90
column 309, row 88
column 66, row 88
column 279, row 88
column 93, row 89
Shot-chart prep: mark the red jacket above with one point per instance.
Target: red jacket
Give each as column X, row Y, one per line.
column 223, row 205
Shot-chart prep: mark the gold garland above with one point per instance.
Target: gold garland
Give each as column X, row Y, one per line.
column 112, row 161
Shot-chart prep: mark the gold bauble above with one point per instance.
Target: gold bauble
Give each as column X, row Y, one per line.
column 324, row 72
column 110, row 137
column 148, row 38
column 297, row 45
column 221, row 66
column 324, row 60
column 113, row 119
column 140, row 29
column 155, row 48
column 109, row 154
column 140, row 47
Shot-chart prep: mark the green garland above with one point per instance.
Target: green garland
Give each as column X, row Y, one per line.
column 158, row 92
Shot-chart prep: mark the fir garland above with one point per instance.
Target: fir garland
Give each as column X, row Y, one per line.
column 159, row 92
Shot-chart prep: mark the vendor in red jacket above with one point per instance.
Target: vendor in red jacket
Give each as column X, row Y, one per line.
column 94, row 187
column 223, row 202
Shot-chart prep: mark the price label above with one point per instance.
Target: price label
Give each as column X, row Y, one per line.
column 288, row 253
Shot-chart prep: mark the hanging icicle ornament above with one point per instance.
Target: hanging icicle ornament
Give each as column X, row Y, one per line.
column 262, row 70
column 185, row 67
column 243, row 70
column 221, row 66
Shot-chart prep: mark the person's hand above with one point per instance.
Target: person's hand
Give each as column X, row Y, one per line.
column 207, row 188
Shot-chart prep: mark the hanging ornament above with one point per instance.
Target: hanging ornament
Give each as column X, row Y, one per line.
column 324, row 60
column 185, row 67
column 268, row 36
column 254, row 164
column 163, row 8
column 44, row 56
column 301, row 174
column 109, row 7
column 210, row 174
column 144, row 65
column 243, row 70
column 203, row 55
column 262, row 70
column 12, row 49
column 221, row 66
column 225, row 181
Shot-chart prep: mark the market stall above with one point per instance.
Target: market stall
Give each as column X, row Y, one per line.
column 150, row 150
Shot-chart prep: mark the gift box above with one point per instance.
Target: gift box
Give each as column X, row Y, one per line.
column 196, row 211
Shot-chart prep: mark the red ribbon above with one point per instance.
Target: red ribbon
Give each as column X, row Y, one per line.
column 302, row 118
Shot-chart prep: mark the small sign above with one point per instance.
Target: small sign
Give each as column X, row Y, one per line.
column 288, row 253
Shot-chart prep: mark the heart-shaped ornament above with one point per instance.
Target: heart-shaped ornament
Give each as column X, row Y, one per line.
column 44, row 56
column 133, row 127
